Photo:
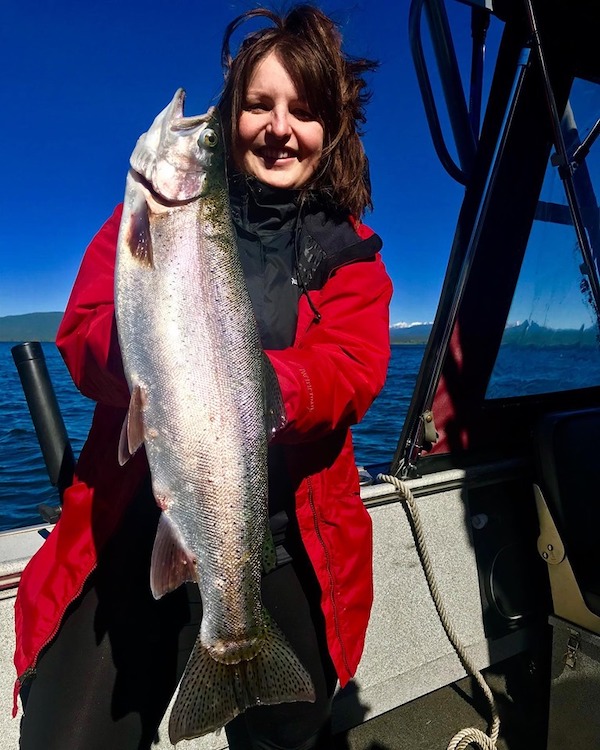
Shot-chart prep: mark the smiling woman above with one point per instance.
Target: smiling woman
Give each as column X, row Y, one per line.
column 279, row 140
column 295, row 103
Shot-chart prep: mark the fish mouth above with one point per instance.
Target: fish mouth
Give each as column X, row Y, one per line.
column 169, row 160
column 177, row 119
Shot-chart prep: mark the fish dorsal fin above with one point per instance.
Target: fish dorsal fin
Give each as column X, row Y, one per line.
column 275, row 416
column 172, row 563
column 132, row 431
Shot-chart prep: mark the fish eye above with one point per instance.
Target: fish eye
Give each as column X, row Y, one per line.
column 209, row 138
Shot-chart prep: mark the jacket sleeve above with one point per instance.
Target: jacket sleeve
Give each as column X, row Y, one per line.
column 87, row 335
column 332, row 374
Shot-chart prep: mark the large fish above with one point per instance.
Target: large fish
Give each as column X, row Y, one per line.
column 204, row 402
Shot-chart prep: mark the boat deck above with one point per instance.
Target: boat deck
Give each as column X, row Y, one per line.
column 398, row 667
column 430, row 722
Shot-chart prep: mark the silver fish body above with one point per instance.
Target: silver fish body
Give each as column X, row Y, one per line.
column 203, row 403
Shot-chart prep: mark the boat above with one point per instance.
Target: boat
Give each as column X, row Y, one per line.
column 486, row 517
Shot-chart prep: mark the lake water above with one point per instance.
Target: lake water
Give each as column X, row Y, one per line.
column 24, row 481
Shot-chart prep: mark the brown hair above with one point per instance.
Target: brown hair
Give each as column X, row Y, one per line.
column 309, row 46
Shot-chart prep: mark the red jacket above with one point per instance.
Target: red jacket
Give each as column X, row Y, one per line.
column 329, row 379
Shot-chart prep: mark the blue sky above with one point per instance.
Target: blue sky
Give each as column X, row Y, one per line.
column 82, row 80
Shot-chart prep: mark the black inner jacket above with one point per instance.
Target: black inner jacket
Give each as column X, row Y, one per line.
column 287, row 249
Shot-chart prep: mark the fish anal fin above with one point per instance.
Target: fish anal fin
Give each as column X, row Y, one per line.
column 132, row 431
column 269, row 555
column 172, row 563
column 275, row 414
column 212, row 693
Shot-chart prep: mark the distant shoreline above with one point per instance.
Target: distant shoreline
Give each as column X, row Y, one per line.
column 30, row 327
column 44, row 326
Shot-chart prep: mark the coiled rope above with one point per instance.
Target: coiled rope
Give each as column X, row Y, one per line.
column 472, row 735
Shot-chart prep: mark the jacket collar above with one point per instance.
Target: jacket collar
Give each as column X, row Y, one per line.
column 262, row 208
column 325, row 239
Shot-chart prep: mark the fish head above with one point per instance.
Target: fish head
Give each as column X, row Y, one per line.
column 177, row 154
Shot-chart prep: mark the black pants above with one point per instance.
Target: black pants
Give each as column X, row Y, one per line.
column 106, row 680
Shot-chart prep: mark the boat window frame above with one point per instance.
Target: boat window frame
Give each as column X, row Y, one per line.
column 443, row 362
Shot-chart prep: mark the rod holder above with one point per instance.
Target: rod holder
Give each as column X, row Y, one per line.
column 45, row 413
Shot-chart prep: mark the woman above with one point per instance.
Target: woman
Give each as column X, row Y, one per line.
column 98, row 658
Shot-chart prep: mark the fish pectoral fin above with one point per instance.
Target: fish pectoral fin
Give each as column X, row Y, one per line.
column 172, row 563
column 275, row 414
column 132, row 431
column 212, row 692
column 137, row 234
column 140, row 238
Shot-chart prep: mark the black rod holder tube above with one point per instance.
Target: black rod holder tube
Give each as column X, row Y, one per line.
column 45, row 412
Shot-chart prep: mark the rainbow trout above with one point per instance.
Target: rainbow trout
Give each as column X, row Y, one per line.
column 204, row 402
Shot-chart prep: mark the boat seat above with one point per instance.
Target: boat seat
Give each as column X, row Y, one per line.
column 567, row 492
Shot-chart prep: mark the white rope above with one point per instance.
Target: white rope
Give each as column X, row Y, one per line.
column 472, row 735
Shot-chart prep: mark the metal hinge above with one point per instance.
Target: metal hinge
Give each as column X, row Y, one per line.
column 430, row 434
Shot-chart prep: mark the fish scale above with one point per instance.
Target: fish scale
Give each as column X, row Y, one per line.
column 204, row 403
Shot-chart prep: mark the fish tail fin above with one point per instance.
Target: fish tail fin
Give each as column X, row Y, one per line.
column 212, row 693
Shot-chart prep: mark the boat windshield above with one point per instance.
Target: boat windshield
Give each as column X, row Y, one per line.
column 553, row 324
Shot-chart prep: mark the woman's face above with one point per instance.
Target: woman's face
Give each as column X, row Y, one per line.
column 279, row 139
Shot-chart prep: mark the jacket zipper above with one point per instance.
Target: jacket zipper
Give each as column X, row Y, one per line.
column 336, row 623
column 314, row 320
column 31, row 670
